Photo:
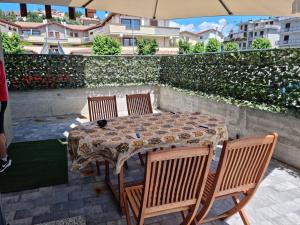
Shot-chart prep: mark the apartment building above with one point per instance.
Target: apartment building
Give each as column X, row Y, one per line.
column 289, row 33
column 252, row 29
column 202, row 36
column 128, row 29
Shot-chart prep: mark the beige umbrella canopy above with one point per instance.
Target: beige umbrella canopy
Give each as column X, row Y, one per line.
column 171, row 9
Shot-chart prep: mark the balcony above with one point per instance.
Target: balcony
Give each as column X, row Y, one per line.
column 288, row 42
column 119, row 29
column 290, row 30
column 42, row 39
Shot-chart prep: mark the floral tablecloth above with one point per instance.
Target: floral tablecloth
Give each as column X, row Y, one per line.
column 125, row 136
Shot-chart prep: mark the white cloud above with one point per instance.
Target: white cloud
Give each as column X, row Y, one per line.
column 183, row 27
column 221, row 26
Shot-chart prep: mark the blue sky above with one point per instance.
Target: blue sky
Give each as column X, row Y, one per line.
column 222, row 23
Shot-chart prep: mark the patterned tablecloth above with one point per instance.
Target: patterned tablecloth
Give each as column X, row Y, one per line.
column 126, row 136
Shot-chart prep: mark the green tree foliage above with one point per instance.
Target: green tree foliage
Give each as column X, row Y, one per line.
column 199, row 47
column 147, row 46
column 34, row 17
column 231, row 46
column 104, row 45
column 261, row 43
column 213, row 45
column 11, row 44
column 10, row 16
column 185, row 47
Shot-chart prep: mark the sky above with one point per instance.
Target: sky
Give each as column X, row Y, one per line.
column 221, row 23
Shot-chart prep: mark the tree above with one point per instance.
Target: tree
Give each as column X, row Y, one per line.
column 147, row 46
column 104, row 45
column 231, row 46
column 199, row 47
column 261, row 43
column 34, row 17
column 11, row 44
column 213, row 45
column 185, row 47
column 10, row 16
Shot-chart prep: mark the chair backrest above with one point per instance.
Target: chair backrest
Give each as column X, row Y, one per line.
column 243, row 163
column 102, row 107
column 175, row 178
column 139, row 104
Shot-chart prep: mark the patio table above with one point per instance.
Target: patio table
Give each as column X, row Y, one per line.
column 126, row 136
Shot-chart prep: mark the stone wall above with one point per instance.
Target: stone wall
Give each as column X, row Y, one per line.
column 43, row 103
column 242, row 121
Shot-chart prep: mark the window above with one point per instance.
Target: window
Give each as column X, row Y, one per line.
column 286, row 39
column 131, row 23
column 256, row 24
column 261, row 33
column 76, row 34
column 9, row 28
column 244, row 45
column 154, row 23
column 271, row 22
column 201, row 37
column 246, row 27
column 51, row 34
column 287, row 25
column 91, row 33
column 255, row 34
column 36, row 32
column 26, row 32
column 71, row 34
column 129, row 41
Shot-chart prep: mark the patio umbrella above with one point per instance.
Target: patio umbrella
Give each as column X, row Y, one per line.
column 171, row 9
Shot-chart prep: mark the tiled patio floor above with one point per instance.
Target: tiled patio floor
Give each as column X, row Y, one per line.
column 276, row 202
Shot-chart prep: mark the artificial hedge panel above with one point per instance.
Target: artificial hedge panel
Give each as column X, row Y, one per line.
column 269, row 77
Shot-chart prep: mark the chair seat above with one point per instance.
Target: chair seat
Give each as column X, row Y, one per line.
column 134, row 195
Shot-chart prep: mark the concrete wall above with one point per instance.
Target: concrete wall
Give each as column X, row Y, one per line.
column 43, row 103
column 242, row 121
column 7, row 119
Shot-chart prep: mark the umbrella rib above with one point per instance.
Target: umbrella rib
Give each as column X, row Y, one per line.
column 87, row 3
column 154, row 15
column 225, row 7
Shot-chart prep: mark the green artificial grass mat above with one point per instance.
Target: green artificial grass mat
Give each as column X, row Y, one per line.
column 35, row 164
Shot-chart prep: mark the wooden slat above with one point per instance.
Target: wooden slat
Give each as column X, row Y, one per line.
column 139, row 104
column 102, row 107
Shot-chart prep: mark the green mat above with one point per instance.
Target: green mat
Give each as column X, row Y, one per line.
column 35, row 164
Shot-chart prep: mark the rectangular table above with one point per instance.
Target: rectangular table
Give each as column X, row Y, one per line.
column 126, row 136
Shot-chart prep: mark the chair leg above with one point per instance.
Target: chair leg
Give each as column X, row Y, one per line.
column 241, row 212
column 141, row 159
column 127, row 213
column 98, row 167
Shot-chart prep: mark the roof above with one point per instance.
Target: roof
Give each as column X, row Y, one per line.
column 209, row 30
column 9, row 23
column 188, row 32
column 29, row 24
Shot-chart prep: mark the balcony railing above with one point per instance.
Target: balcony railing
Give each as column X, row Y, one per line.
column 290, row 29
column 143, row 31
column 287, row 42
column 42, row 39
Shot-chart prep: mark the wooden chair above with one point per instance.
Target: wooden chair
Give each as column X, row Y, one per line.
column 102, row 107
column 174, row 182
column 242, row 165
column 139, row 104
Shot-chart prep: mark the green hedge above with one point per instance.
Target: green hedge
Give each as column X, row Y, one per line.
column 270, row 78
column 27, row 72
